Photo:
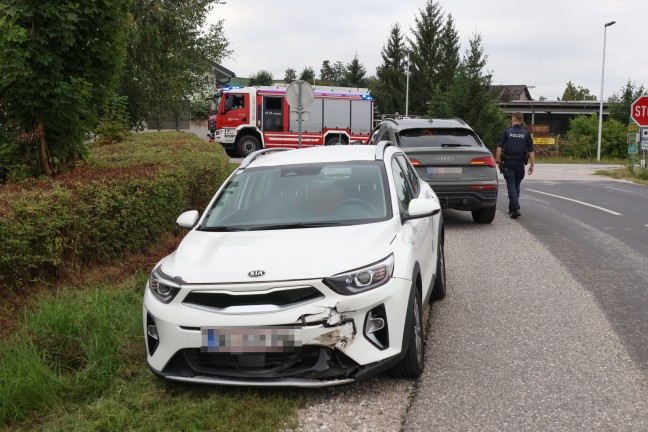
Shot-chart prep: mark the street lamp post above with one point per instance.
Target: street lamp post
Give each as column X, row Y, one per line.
column 407, row 85
column 600, row 127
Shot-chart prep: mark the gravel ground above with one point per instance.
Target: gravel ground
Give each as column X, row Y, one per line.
column 378, row 404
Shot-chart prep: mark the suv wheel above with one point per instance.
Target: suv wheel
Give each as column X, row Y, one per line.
column 439, row 289
column 484, row 215
column 411, row 366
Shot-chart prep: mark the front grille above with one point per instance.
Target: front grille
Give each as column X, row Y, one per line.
column 280, row 298
column 310, row 362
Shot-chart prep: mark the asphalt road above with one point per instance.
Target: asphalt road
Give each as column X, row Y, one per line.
column 544, row 324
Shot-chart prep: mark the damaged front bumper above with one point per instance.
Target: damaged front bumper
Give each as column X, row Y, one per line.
column 330, row 344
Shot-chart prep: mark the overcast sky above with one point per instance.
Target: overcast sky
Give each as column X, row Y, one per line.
column 543, row 44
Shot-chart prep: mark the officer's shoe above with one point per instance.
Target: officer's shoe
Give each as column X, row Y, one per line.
column 516, row 213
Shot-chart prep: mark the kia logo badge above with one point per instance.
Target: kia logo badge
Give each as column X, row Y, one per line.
column 256, row 273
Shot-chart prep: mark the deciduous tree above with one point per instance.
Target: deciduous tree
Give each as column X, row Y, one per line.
column 59, row 62
column 290, row 75
column 170, row 54
column 620, row 102
column 577, row 93
column 262, row 78
column 308, row 74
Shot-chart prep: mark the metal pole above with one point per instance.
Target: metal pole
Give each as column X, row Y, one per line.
column 300, row 108
column 407, row 86
column 600, row 126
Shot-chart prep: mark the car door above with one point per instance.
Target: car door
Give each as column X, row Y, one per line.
column 427, row 230
column 415, row 232
column 235, row 110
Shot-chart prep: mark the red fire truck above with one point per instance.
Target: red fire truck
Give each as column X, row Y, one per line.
column 246, row 119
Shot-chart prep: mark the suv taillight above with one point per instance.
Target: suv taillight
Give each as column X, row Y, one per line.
column 484, row 160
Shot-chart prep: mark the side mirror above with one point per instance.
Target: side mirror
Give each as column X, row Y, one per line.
column 420, row 208
column 356, row 142
column 228, row 104
column 188, row 219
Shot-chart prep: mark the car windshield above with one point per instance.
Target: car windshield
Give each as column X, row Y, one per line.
column 438, row 137
column 301, row 196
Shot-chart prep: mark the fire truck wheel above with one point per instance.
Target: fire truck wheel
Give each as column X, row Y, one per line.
column 247, row 144
column 334, row 140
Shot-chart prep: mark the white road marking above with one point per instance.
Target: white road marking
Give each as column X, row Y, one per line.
column 576, row 201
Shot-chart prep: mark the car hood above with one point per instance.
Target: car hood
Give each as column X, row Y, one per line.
column 305, row 253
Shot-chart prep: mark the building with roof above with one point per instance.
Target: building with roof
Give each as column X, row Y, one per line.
column 556, row 114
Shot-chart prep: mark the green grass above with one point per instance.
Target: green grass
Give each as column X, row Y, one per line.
column 78, row 363
column 572, row 160
column 636, row 175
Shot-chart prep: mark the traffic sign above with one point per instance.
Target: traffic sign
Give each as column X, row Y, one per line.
column 633, row 127
column 632, row 148
column 639, row 111
column 300, row 95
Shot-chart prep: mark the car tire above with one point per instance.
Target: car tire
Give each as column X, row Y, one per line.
column 484, row 215
column 439, row 289
column 411, row 366
column 247, row 144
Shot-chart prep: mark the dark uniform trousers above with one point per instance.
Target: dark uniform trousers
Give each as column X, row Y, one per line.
column 513, row 174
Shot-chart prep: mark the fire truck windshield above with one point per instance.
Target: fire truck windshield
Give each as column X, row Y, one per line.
column 215, row 102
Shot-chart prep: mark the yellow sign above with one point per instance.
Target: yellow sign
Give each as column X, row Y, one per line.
column 544, row 141
column 633, row 127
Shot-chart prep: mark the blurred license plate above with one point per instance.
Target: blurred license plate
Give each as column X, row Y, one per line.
column 239, row 340
column 444, row 171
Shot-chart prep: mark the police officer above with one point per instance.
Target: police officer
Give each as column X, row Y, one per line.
column 514, row 148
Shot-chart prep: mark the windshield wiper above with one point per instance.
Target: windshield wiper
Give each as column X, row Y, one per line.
column 294, row 225
column 455, row 145
column 223, row 228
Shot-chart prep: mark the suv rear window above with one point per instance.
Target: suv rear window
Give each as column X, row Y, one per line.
column 438, row 137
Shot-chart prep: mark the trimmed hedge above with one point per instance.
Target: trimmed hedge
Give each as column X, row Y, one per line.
column 121, row 201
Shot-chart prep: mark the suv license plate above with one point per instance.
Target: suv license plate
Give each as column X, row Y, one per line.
column 444, row 171
column 239, row 340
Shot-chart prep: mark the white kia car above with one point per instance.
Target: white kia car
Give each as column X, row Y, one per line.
column 310, row 267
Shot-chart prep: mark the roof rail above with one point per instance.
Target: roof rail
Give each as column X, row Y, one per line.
column 253, row 156
column 380, row 149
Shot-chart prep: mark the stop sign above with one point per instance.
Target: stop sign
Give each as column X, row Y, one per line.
column 639, row 111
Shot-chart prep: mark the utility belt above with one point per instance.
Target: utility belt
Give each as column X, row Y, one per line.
column 524, row 157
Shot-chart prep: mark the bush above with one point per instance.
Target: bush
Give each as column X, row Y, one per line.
column 200, row 108
column 583, row 138
column 113, row 126
column 122, row 202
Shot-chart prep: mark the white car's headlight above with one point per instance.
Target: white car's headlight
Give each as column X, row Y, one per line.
column 163, row 287
column 363, row 279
